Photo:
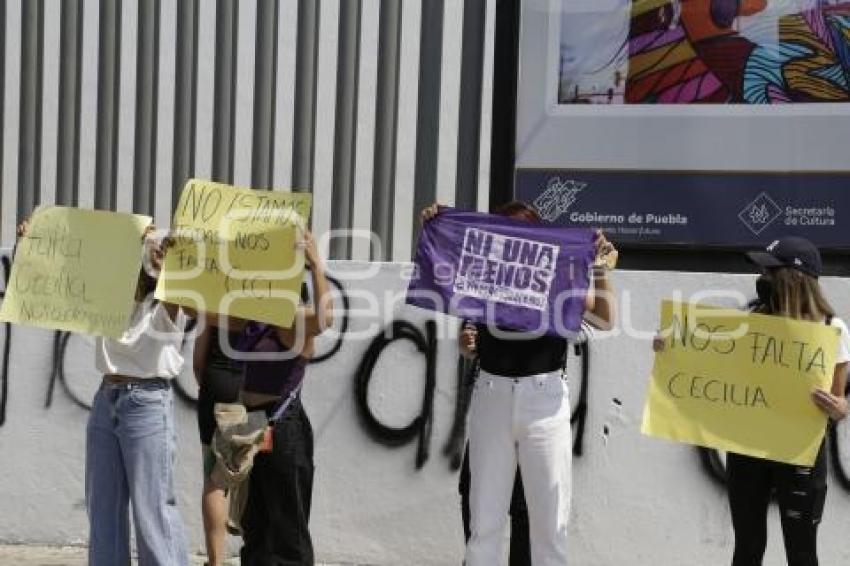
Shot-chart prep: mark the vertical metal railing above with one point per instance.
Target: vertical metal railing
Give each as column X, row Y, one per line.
column 113, row 104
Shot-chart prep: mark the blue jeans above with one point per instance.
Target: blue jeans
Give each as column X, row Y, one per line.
column 130, row 445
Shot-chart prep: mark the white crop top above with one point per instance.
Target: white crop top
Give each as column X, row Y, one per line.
column 150, row 347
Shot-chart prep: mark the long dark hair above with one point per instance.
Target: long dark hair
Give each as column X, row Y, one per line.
column 520, row 210
column 145, row 285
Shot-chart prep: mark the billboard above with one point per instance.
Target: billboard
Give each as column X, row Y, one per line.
column 708, row 122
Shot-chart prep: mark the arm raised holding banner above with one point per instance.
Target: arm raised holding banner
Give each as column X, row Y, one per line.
column 522, row 365
column 311, row 320
column 600, row 305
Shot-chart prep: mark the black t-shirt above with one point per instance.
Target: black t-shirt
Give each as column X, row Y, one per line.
column 515, row 354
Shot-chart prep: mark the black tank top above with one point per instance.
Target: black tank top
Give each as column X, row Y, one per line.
column 216, row 358
column 517, row 355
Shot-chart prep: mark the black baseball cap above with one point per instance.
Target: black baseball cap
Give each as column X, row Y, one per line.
column 790, row 251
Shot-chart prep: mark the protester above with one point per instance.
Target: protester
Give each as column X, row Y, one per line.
column 275, row 522
column 520, row 414
column 789, row 287
column 130, row 438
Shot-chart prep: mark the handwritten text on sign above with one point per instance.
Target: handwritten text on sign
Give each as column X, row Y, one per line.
column 76, row 270
column 235, row 253
column 514, row 271
column 740, row 382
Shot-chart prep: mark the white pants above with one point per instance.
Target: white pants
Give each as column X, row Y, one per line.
column 527, row 421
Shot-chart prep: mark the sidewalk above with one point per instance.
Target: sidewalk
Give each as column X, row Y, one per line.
column 23, row 555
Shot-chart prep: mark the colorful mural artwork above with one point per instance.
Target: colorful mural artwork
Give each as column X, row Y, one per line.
column 714, row 51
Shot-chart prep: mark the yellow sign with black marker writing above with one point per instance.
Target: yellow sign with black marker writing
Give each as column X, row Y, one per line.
column 740, row 382
column 76, row 270
column 234, row 252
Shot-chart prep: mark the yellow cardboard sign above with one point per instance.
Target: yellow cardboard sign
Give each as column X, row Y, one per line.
column 234, row 252
column 76, row 270
column 740, row 382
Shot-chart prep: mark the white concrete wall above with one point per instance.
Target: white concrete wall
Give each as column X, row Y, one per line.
column 638, row 501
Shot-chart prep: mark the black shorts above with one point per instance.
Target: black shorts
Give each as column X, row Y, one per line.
column 218, row 385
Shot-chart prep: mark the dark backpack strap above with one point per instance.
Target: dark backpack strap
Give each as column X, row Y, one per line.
column 278, row 414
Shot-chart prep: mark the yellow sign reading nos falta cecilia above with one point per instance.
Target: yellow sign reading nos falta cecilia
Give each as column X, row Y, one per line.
column 234, row 252
column 740, row 382
column 76, row 270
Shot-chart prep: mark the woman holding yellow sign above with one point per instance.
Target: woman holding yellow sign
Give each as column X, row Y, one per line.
column 787, row 287
column 274, row 522
column 277, row 511
column 130, row 438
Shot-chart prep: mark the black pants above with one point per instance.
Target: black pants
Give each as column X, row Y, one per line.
column 800, row 493
column 275, row 521
column 520, row 541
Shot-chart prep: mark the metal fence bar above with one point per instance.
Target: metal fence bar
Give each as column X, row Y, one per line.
column 306, row 77
column 185, row 96
column 29, row 148
column 68, row 142
column 386, row 123
column 265, row 83
column 504, row 90
column 115, row 103
column 345, row 130
column 428, row 118
column 109, row 80
column 224, row 112
column 147, row 89
column 469, row 119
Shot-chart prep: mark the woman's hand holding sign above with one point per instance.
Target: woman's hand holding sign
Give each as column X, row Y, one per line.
column 429, row 212
column 606, row 254
column 833, row 405
column 599, row 301
column 307, row 244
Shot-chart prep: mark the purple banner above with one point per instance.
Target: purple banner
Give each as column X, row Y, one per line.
column 503, row 272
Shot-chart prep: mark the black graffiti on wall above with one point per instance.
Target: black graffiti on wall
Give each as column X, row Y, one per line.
column 421, row 426
column 7, row 344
